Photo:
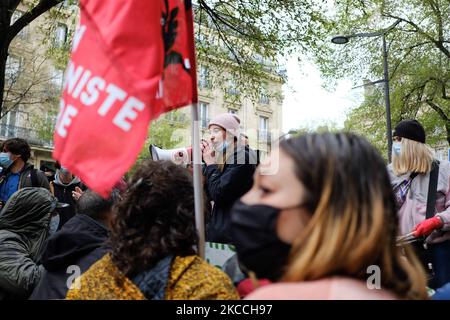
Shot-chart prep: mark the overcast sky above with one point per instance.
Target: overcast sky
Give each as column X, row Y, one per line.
column 307, row 103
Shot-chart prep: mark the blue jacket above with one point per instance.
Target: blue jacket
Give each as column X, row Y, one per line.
column 442, row 293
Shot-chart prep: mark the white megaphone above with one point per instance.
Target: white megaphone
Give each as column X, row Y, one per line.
column 179, row 156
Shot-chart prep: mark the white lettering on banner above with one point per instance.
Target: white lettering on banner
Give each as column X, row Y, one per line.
column 90, row 96
column 66, row 119
column 128, row 112
column 61, row 110
column 79, row 33
column 115, row 93
column 81, row 84
column 72, row 77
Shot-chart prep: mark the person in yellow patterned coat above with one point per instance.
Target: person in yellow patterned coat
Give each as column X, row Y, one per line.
column 152, row 245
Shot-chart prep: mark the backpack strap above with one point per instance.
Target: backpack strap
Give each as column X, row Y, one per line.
column 432, row 190
column 34, row 179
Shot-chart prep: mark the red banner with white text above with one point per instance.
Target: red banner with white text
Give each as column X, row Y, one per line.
column 131, row 61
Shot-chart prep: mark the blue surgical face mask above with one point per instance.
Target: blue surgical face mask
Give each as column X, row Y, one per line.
column 396, row 148
column 5, row 160
column 223, row 146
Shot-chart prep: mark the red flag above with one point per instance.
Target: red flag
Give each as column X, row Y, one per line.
column 113, row 85
column 180, row 79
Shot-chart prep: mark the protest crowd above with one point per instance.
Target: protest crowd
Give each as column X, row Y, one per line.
column 323, row 216
column 306, row 223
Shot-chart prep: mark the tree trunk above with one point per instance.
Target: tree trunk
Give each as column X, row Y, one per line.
column 2, row 80
column 447, row 128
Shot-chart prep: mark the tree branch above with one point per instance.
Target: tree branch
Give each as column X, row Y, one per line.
column 436, row 108
column 28, row 17
column 437, row 43
column 408, row 52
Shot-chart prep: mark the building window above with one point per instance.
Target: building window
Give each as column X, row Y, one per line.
column 232, row 88
column 60, row 35
column 263, row 132
column 204, row 114
column 263, row 97
column 8, row 127
column 13, row 68
column 16, row 16
column 260, row 155
column 203, row 79
column 57, row 78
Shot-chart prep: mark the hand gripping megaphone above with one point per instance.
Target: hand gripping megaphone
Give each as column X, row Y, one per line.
column 179, row 156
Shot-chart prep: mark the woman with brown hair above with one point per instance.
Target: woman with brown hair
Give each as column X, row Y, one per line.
column 229, row 170
column 153, row 239
column 321, row 218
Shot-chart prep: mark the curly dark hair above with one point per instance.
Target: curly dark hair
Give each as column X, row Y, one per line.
column 155, row 218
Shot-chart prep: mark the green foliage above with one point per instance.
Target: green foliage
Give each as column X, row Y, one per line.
column 323, row 126
column 161, row 134
column 369, row 120
column 243, row 40
column 44, row 125
column 62, row 14
column 419, row 63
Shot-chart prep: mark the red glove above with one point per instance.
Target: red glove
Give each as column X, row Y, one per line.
column 246, row 286
column 427, row 226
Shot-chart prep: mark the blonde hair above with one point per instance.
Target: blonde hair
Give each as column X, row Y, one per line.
column 414, row 157
column 354, row 223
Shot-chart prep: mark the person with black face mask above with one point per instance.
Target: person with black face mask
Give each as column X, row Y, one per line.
column 320, row 213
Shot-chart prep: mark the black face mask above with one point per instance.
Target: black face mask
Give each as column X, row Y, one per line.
column 258, row 247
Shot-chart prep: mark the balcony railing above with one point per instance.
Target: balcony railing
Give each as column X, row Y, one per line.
column 30, row 135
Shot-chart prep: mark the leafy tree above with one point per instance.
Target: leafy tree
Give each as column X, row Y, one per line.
column 240, row 39
column 321, row 127
column 243, row 40
column 43, row 122
column 9, row 31
column 419, row 62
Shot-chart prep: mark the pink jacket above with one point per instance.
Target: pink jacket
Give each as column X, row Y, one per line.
column 334, row 288
column 413, row 209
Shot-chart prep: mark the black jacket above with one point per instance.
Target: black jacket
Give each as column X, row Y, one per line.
column 224, row 188
column 24, row 224
column 64, row 194
column 79, row 243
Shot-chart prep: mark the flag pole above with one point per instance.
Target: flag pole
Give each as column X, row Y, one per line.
column 198, row 186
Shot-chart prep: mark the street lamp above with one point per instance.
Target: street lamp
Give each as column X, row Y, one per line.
column 343, row 39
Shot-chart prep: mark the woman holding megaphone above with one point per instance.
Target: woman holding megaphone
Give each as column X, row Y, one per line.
column 229, row 169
